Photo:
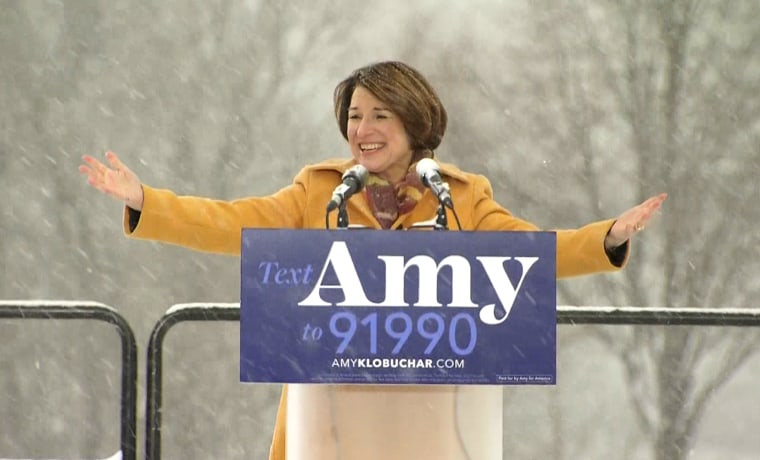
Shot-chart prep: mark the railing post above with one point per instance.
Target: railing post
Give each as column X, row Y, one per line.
column 17, row 309
column 176, row 314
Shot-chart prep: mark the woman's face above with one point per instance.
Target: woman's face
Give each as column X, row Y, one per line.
column 377, row 137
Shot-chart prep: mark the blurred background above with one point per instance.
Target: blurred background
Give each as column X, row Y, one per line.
column 575, row 110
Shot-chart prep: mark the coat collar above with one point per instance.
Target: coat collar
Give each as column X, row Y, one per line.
column 341, row 165
column 426, row 207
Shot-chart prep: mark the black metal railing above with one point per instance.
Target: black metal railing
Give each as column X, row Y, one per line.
column 659, row 316
column 231, row 312
column 97, row 312
column 565, row 315
column 176, row 314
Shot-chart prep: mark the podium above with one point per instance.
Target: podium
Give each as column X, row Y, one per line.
column 380, row 422
column 397, row 345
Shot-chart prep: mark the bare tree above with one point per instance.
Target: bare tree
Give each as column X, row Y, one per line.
column 683, row 100
column 635, row 98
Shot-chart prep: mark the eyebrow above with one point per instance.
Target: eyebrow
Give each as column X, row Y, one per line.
column 384, row 109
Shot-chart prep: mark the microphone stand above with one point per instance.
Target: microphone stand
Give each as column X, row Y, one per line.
column 342, row 216
column 441, row 220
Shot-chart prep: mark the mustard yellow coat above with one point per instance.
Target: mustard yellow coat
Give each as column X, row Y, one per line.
column 215, row 226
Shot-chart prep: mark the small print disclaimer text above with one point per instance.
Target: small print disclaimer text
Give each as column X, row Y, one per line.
column 526, row 379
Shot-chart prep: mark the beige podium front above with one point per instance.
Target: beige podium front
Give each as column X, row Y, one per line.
column 394, row 422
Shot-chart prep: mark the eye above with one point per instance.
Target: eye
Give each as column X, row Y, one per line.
column 353, row 116
column 383, row 114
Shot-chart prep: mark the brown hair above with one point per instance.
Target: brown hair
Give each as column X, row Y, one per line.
column 407, row 94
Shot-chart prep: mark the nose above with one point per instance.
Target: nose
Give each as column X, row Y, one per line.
column 363, row 127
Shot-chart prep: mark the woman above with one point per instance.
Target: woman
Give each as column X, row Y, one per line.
column 391, row 118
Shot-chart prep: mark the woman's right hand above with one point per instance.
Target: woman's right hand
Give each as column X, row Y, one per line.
column 117, row 181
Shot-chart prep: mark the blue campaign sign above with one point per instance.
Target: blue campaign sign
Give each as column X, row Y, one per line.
column 381, row 307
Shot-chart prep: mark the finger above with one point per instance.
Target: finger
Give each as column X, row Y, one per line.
column 657, row 200
column 652, row 207
column 84, row 169
column 645, row 210
column 644, row 219
column 115, row 162
column 650, row 202
column 94, row 164
column 113, row 159
column 92, row 176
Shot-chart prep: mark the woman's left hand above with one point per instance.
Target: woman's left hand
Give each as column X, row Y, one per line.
column 633, row 221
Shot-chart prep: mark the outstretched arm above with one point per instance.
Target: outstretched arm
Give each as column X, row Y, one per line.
column 117, row 180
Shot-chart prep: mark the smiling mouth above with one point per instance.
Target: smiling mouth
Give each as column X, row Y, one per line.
column 367, row 148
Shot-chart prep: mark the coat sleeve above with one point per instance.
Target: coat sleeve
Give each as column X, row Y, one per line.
column 579, row 251
column 214, row 225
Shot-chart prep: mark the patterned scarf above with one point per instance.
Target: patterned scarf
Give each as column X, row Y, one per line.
column 388, row 201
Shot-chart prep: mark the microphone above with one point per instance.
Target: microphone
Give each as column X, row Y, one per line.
column 430, row 176
column 353, row 182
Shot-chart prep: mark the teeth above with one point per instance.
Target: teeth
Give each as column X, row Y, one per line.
column 370, row 146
